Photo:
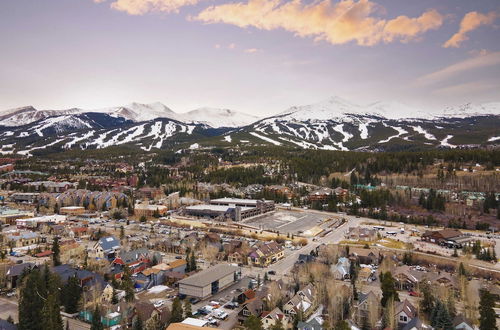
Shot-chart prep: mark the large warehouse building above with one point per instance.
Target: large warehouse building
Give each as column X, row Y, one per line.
column 235, row 209
column 209, row 281
column 261, row 204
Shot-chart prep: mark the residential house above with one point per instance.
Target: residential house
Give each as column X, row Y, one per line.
column 407, row 278
column 265, row 253
column 341, row 270
column 405, row 312
column 88, row 280
column 274, row 318
column 366, row 303
column 462, row 323
column 364, row 256
column 417, row 324
column 254, row 306
column 14, row 271
column 107, row 294
column 302, row 302
column 106, row 247
column 146, row 310
column 25, row 238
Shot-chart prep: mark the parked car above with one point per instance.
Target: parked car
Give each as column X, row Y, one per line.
column 159, row 303
column 271, row 272
column 414, row 294
column 220, row 314
column 213, row 321
column 194, row 300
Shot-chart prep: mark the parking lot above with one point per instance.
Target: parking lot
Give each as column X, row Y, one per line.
column 293, row 222
column 223, row 297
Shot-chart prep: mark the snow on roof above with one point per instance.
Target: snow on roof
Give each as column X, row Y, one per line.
column 158, row 289
column 195, row 322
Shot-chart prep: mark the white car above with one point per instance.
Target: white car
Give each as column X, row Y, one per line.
column 159, row 303
column 220, row 314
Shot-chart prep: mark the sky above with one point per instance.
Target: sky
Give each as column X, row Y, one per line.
column 254, row 56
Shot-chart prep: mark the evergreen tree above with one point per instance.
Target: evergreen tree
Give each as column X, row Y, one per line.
column 96, row 319
column 388, row 287
column 137, row 325
column 487, row 319
column 31, row 301
column 56, row 252
column 177, row 312
column 187, row 309
column 128, row 284
column 51, row 313
column 192, row 262
column 427, row 303
column 253, row 323
column 70, row 295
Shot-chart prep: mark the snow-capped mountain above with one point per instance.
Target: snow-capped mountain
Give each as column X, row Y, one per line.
column 215, row 117
column 136, row 112
column 471, row 109
column 140, row 112
column 27, row 115
column 333, row 124
column 338, row 124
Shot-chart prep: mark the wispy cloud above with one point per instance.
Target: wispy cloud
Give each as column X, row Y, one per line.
column 141, row 7
column 466, row 88
column 470, row 22
column 252, row 50
column 480, row 61
column 335, row 22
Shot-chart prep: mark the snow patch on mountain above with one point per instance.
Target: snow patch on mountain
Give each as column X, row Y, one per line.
column 217, row 118
column 265, row 138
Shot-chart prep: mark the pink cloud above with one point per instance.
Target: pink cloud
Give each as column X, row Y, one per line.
column 470, row 22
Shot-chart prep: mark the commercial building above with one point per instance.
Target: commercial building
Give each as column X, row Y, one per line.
column 235, row 209
column 262, row 205
column 223, row 212
column 28, row 198
column 9, row 216
column 72, row 210
column 148, row 210
column 209, row 281
column 34, row 222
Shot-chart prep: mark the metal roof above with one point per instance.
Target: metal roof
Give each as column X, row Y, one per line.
column 209, row 275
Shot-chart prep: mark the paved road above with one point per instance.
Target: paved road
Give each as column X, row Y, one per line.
column 8, row 307
column 285, row 265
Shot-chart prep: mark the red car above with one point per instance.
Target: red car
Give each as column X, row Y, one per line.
column 414, row 294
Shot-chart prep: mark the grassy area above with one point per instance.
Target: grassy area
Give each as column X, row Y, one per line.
column 385, row 242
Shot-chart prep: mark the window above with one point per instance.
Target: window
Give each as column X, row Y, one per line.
column 246, row 312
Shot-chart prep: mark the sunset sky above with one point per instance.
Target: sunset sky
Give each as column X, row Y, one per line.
column 255, row 56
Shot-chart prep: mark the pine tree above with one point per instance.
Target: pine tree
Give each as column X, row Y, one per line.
column 56, row 252
column 51, row 313
column 70, row 295
column 31, row 301
column 253, row 323
column 96, row 319
column 388, row 288
column 128, row 284
column 187, row 309
column 177, row 312
column 487, row 319
column 192, row 262
column 137, row 323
